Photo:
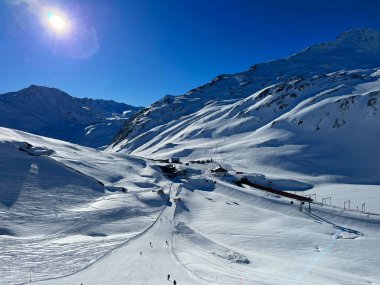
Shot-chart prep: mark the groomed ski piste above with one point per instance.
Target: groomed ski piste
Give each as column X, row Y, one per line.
column 60, row 225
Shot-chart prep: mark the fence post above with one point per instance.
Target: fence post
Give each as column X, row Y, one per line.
column 310, row 196
column 344, row 205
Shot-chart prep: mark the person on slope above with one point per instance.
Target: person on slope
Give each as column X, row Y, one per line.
column 174, row 282
column 167, row 243
column 150, row 243
column 168, row 276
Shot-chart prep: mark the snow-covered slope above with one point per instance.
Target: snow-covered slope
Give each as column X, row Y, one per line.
column 313, row 114
column 53, row 113
column 61, row 225
column 223, row 234
column 56, row 215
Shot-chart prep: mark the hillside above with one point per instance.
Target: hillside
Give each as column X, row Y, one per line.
column 61, row 226
column 53, row 113
column 304, row 116
column 62, row 209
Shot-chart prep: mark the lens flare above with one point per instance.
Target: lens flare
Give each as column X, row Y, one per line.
column 57, row 22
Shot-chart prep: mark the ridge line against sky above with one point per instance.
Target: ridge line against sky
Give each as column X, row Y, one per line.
column 136, row 52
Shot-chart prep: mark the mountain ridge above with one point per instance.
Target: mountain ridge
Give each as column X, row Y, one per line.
column 273, row 101
column 51, row 112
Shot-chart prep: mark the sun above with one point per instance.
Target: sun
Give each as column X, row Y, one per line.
column 57, row 22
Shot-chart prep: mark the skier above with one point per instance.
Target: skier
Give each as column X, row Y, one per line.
column 174, row 282
column 167, row 243
column 141, row 253
column 168, row 276
column 150, row 243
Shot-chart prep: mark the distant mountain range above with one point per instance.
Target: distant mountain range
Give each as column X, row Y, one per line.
column 315, row 113
column 52, row 113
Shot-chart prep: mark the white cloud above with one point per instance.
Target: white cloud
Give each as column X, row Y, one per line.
column 33, row 6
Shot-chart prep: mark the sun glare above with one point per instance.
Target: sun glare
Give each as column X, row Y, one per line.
column 57, row 22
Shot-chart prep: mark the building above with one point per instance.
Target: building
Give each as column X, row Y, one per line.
column 168, row 170
column 175, row 160
column 219, row 170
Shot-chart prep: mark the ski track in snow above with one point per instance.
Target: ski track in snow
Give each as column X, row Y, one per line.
column 57, row 221
column 196, row 259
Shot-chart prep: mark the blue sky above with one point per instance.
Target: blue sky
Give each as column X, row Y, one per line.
column 137, row 51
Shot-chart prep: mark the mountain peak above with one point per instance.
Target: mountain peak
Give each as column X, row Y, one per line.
column 354, row 49
column 349, row 44
column 360, row 35
column 43, row 94
column 42, row 89
column 33, row 86
column 53, row 113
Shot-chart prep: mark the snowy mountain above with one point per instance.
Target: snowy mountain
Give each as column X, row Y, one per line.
column 53, row 113
column 308, row 123
column 307, row 114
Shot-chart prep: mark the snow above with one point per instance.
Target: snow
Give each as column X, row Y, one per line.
column 223, row 234
column 54, row 209
column 37, row 151
column 306, row 124
column 53, row 113
column 293, row 114
column 126, row 264
column 306, row 129
column 356, row 193
column 59, row 221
